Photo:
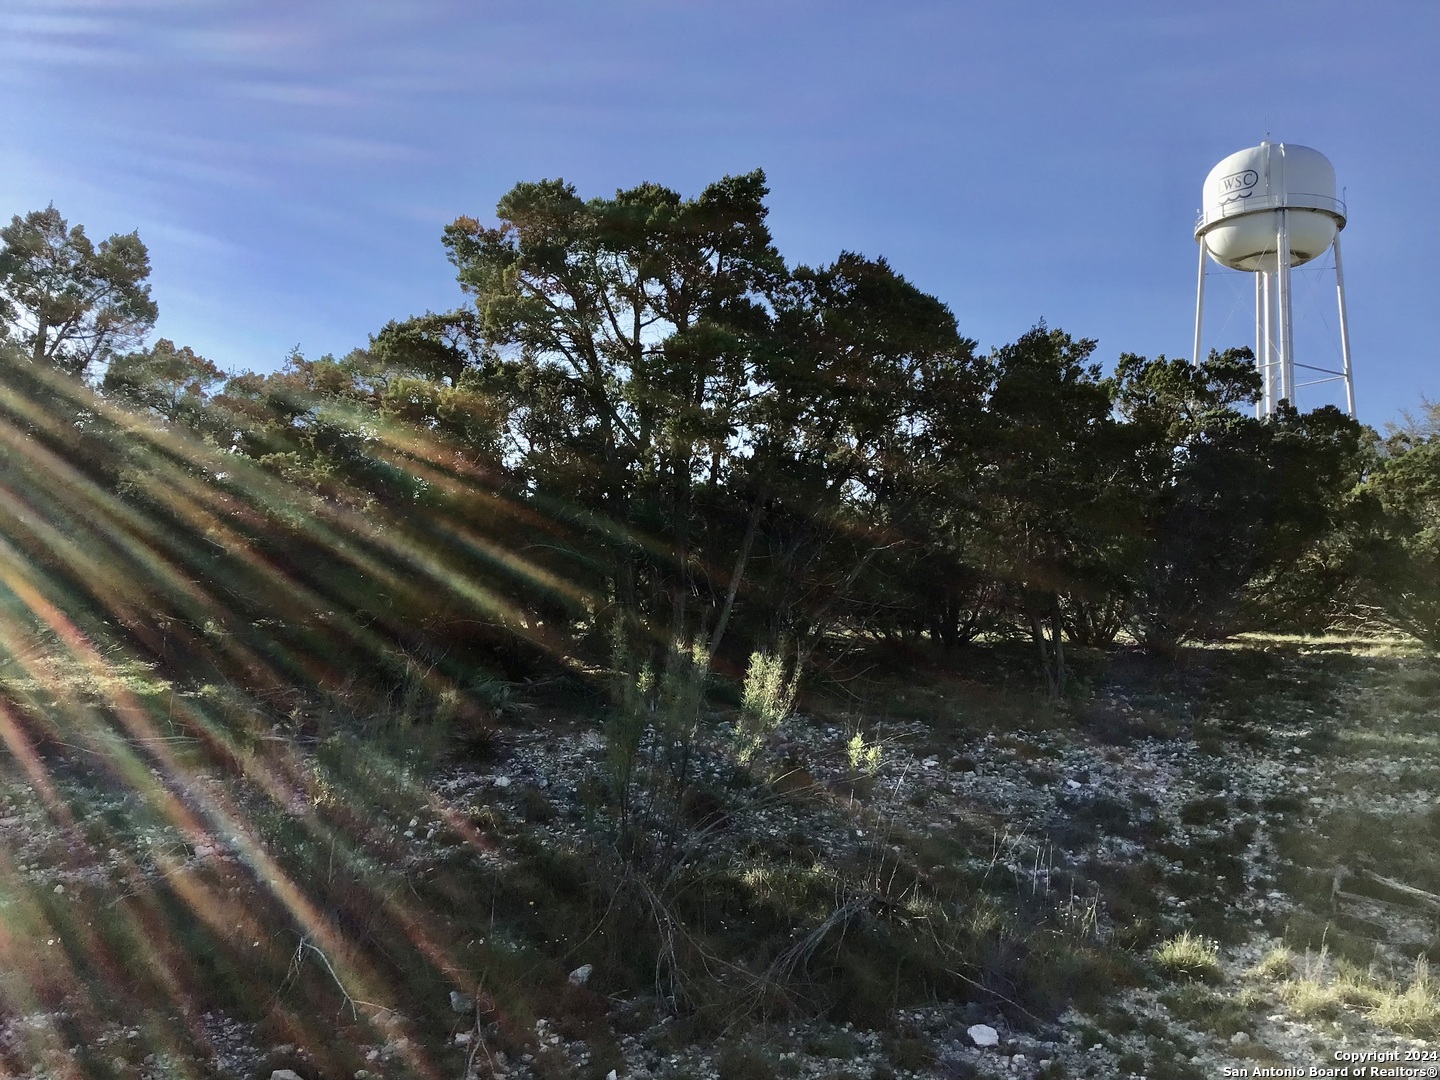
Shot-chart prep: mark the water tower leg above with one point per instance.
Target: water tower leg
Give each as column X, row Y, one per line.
column 1267, row 339
column 1260, row 302
column 1282, row 277
column 1344, row 332
column 1199, row 306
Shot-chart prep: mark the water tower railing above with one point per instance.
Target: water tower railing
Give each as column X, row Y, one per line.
column 1291, row 200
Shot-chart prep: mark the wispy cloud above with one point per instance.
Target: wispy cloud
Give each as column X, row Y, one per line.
column 288, row 92
column 38, row 22
column 59, row 55
column 353, row 149
column 158, row 230
column 248, row 44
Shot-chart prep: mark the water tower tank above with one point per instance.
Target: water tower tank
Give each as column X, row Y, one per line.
column 1245, row 193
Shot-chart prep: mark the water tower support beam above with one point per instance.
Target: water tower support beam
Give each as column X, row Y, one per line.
column 1264, row 402
column 1266, row 339
column 1199, row 306
column 1282, row 313
column 1344, row 331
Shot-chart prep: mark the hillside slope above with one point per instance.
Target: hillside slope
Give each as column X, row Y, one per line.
column 1232, row 861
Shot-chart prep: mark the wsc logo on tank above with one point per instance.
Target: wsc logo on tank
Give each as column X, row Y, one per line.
column 1238, row 185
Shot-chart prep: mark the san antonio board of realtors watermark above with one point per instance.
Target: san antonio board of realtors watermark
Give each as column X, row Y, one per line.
column 1353, row 1063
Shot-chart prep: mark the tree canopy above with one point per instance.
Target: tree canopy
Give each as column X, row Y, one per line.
column 68, row 303
column 645, row 422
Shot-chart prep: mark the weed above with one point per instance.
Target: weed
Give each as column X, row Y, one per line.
column 1131, row 1062
column 740, row 1061
column 1206, row 1009
column 1189, row 957
column 651, row 747
column 1323, row 988
column 1310, row 1000
column 1307, row 931
column 864, row 757
column 535, row 805
column 911, row 1052
column 1087, row 818
column 1415, row 1010
column 767, row 699
column 838, row 1044
column 1276, row 964
column 960, row 1069
column 1205, row 810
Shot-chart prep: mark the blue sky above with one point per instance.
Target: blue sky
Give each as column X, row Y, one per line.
column 291, row 165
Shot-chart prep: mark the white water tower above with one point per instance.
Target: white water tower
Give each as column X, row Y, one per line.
column 1267, row 209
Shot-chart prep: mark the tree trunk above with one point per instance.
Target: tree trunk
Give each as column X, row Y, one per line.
column 738, row 573
column 1058, row 633
column 1037, row 635
column 38, row 353
column 681, row 502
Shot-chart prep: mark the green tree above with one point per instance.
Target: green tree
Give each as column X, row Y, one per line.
column 868, row 378
column 1228, row 506
column 69, row 304
column 171, row 382
column 628, row 328
column 1048, row 481
column 1401, row 549
column 1174, row 401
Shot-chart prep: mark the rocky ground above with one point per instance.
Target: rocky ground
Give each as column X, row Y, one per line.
column 1284, row 815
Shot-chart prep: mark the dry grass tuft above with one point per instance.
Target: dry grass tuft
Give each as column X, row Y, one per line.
column 1189, row 956
column 1322, row 990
